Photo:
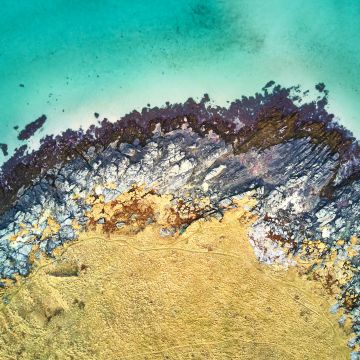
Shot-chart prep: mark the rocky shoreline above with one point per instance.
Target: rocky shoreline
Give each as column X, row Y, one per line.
column 300, row 165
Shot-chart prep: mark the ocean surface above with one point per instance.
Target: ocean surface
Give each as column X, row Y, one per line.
column 69, row 59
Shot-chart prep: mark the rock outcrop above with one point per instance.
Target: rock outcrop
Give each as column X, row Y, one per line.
column 301, row 166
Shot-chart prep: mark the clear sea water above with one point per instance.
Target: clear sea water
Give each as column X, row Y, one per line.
column 78, row 57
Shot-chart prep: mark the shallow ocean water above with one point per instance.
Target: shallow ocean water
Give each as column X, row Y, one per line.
column 110, row 56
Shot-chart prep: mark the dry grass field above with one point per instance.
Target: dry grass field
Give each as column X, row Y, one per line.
column 140, row 295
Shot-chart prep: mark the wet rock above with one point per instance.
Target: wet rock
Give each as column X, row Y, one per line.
column 4, row 149
column 31, row 128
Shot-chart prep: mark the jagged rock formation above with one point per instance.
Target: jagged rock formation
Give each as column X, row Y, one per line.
column 303, row 168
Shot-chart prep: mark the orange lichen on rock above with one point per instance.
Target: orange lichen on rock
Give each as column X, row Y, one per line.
column 139, row 207
column 318, row 262
column 133, row 208
column 184, row 212
column 52, row 228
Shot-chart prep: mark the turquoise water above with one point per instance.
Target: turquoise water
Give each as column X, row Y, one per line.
column 79, row 57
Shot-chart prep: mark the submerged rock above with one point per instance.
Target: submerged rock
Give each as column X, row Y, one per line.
column 31, row 128
column 4, row 149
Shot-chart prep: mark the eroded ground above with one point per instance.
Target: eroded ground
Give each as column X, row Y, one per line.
column 151, row 294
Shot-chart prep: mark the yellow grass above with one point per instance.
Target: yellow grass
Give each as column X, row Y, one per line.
column 199, row 295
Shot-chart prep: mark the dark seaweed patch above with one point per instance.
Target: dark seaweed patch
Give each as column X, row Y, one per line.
column 31, row 128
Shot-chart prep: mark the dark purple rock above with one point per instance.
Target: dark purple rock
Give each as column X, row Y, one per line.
column 31, row 128
column 320, row 87
column 4, row 148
